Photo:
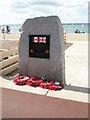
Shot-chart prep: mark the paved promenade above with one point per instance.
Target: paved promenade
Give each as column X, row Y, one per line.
column 70, row 102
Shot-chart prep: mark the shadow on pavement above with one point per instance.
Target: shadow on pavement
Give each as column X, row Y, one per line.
column 77, row 88
column 67, row 45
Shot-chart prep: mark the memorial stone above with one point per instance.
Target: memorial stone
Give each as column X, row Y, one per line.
column 41, row 48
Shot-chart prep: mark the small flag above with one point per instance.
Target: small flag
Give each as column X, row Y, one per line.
column 42, row 39
column 35, row 39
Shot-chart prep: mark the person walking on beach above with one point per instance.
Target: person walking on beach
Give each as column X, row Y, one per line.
column 3, row 29
column 7, row 29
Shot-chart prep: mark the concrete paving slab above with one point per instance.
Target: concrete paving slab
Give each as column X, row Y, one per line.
column 65, row 94
column 76, row 64
column 69, row 95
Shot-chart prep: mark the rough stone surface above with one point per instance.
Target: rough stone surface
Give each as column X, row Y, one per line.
column 52, row 68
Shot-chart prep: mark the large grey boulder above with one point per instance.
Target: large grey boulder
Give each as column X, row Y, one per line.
column 52, row 68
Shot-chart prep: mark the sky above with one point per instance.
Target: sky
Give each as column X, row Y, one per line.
column 69, row 11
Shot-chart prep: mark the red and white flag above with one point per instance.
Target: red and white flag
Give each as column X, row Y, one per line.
column 35, row 39
column 42, row 39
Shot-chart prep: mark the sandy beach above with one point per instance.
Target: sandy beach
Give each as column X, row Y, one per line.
column 77, row 37
column 69, row 36
column 10, row 36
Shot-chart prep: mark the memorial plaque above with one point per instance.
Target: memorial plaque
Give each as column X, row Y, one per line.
column 39, row 46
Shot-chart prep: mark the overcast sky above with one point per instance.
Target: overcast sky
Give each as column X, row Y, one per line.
column 17, row 11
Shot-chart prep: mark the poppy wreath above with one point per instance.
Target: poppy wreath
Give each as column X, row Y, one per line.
column 20, row 80
column 51, row 85
column 34, row 81
column 56, row 86
column 47, row 84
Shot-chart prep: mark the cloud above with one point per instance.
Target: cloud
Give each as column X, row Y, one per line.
column 17, row 11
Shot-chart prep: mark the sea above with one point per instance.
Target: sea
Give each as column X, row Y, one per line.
column 69, row 27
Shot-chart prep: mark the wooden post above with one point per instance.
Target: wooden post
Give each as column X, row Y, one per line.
column 3, row 31
column 4, row 35
column 65, row 36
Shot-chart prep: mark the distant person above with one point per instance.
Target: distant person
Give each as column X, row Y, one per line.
column 3, row 29
column 7, row 29
column 20, row 29
column 77, row 31
column 82, row 32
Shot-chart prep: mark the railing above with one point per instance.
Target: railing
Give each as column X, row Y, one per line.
column 8, row 57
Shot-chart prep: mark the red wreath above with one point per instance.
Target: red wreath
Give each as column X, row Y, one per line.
column 34, row 81
column 56, row 87
column 51, row 85
column 47, row 84
column 20, row 80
